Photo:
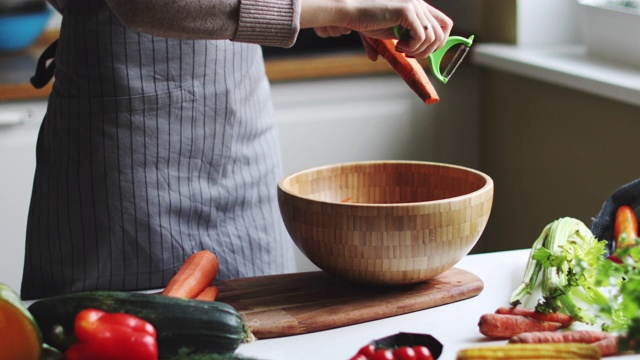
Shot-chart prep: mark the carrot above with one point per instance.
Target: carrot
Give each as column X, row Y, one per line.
column 208, row 294
column 578, row 336
column 625, row 227
column 502, row 326
column 194, row 275
column 561, row 318
column 607, row 346
column 408, row 68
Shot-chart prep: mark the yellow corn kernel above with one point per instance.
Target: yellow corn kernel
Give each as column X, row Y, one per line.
column 531, row 351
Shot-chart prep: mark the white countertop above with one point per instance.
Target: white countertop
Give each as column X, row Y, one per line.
column 454, row 325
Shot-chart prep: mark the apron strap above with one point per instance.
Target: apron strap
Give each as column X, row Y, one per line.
column 44, row 72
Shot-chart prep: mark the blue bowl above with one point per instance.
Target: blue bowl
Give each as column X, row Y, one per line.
column 19, row 31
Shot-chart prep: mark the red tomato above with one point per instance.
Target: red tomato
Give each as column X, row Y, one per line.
column 422, row 353
column 359, row 357
column 382, row 354
column 367, row 351
column 404, row 353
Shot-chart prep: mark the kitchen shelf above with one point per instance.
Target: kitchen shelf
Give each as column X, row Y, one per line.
column 564, row 65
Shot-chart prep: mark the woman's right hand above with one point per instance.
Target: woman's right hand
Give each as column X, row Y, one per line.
column 429, row 28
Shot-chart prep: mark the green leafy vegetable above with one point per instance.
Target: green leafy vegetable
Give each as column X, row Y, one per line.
column 566, row 255
column 623, row 309
column 568, row 265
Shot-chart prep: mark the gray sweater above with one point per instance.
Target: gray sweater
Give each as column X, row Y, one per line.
column 263, row 22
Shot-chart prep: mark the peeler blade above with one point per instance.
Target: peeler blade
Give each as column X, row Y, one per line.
column 455, row 61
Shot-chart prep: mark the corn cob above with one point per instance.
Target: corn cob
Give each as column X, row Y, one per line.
column 531, row 351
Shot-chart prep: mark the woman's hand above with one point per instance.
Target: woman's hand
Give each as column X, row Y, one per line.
column 429, row 28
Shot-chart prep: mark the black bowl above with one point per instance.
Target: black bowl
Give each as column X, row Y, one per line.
column 410, row 339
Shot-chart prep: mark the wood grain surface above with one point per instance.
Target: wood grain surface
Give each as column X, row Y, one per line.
column 291, row 304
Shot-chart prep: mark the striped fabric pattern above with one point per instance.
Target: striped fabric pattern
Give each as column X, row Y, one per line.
column 152, row 149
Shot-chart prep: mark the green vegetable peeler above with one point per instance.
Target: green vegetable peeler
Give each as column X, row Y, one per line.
column 436, row 57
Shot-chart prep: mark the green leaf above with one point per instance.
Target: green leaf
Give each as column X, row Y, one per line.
column 547, row 259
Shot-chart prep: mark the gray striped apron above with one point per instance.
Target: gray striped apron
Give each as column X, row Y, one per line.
column 151, row 149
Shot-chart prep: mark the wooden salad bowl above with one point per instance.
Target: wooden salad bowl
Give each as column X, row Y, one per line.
column 386, row 222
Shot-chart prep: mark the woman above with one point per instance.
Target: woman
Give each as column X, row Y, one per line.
column 160, row 140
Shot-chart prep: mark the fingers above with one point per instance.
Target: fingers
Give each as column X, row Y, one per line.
column 371, row 52
column 444, row 22
column 429, row 33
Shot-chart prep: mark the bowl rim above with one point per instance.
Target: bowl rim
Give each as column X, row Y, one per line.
column 486, row 187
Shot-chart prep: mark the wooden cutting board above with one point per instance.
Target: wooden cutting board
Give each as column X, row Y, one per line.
column 291, row 304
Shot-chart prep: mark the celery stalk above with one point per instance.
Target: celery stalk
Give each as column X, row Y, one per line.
column 566, row 254
column 532, row 271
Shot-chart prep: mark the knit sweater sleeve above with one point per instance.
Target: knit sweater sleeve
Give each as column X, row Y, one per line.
column 269, row 22
column 263, row 22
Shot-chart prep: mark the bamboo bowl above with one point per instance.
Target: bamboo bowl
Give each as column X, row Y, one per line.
column 386, row 222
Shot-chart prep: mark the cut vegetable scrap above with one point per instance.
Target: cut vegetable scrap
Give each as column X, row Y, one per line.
column 194, row 276
column 408, row 68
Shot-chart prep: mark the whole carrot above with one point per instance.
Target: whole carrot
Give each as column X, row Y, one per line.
column 561, row 318
column 578, row 336
column 503, row 326
column 607, row 346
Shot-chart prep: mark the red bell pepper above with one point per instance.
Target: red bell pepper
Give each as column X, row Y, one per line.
column 112, row 336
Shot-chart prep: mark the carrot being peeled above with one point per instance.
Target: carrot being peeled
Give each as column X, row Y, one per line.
column 194, row 276
column 577, row 336
column 208, row 294
column 503, row 326
column 561, row 318
column 408, row 68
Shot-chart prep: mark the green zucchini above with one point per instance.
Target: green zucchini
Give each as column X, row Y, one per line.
column 202, row 326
